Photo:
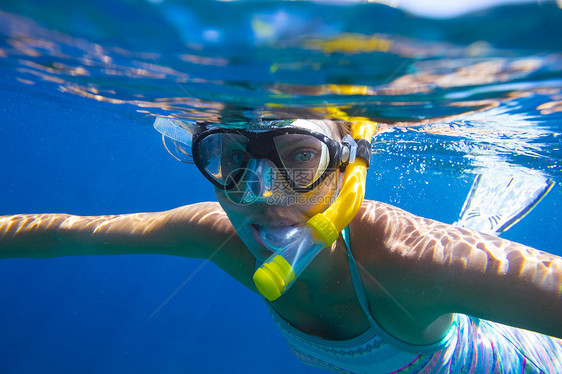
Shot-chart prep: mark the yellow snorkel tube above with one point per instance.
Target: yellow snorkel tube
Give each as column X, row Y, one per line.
column 280, row 270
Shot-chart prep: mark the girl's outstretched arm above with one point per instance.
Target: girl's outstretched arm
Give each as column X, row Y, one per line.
column 200, row 231
column 434, row 268
column 506, row 282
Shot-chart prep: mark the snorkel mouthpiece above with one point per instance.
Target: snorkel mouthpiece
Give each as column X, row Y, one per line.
column 281, row 269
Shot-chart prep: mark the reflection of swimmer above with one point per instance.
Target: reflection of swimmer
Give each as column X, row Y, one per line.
column 387, row 296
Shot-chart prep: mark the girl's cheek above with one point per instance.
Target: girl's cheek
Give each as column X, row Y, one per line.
column 309, row 203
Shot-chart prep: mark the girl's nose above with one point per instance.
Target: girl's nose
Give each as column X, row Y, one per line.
column 261, row 179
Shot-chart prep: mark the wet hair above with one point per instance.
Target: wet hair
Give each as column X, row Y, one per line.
column 340, row 127
column 343, row 127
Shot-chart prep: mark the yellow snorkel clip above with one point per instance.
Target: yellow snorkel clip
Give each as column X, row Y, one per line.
column 280, row 270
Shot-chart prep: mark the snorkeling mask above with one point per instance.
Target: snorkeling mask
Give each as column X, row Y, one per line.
column 304, row 159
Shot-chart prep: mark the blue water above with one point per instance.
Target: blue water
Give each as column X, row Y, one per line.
column 79, row 87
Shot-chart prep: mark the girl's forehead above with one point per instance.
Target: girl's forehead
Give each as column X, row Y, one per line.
column 322, row 127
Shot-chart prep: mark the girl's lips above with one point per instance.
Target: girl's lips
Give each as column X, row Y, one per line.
column 274, row 216
column 274, row 222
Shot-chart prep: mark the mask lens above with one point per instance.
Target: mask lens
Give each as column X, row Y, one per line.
column 221, row 155
column 304, row 157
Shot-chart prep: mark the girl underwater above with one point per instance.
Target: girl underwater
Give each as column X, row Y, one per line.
column 393, row 293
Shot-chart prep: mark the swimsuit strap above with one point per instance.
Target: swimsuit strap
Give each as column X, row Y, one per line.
column 362, row 297
column 356, row 279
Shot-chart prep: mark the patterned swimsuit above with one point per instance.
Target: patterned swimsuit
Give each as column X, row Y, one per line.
column 470, row 346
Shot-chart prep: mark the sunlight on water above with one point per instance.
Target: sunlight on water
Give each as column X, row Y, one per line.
column 467, row 94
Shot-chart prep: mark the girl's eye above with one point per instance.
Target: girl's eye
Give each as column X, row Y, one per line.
column 304, row 156
column 236, row 157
